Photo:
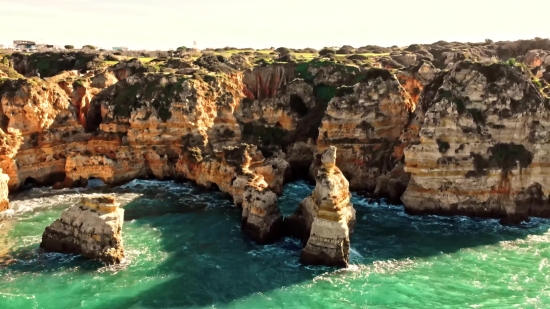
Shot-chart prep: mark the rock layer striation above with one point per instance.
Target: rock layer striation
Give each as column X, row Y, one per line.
column 92, row 228
column 481, row 147
column 325, row 219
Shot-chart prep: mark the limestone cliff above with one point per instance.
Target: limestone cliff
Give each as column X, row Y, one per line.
column 4, row 201
column 325, row 219
column 481, row 145
column 365, row 122
column 171, row 126
column 92, row 228
column 261, row 218
column 123, row 123
column 39, row 130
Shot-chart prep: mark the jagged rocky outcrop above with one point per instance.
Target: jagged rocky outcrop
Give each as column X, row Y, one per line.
column 414, row 78
column 262, row 220
column 365, row 121
column 39, row 130
column 325, row 219
column 92, row 228
column 128, row 122
column 481, row 147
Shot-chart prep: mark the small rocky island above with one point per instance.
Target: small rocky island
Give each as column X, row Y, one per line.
column 92, row 228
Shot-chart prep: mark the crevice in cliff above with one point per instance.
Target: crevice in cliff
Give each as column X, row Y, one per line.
column 264, row 82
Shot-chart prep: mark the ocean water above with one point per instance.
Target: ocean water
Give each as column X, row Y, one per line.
column 185, row 249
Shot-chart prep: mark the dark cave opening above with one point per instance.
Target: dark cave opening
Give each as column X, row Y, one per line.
column 29, row 183
column 297, row 105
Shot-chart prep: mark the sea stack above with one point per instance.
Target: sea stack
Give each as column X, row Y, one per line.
column 92, row 228
column 333, row 216
column 262, row 220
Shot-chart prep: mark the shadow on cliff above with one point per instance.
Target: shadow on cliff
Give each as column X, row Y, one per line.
column 211, row 262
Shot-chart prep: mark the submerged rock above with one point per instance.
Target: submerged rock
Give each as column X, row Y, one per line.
column 325, row 219
column 92, row 228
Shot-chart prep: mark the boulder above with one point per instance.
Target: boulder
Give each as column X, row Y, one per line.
column 92, row 228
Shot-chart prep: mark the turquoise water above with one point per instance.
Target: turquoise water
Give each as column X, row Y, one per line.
column 185, row 250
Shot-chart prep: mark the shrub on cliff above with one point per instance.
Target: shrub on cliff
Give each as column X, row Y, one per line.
column 283, row 51
column 69, row 47
column 327, row 52
column 214, row 64
column 345, row 50
column 89, row 47
column 10, row 71
column 287, row 58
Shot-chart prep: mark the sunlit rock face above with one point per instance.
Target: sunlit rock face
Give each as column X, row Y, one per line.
column 262, row 220
column 481, row 145
column 4, row 201
column 39, row 131
column 365, row 122
column 92, row 228
column 325, row 219
column 122, row 123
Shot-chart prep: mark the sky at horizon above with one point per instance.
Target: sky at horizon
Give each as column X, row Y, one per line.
column 167, row 24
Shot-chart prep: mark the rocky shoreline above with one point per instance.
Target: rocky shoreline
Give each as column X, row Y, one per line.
column 449, row 130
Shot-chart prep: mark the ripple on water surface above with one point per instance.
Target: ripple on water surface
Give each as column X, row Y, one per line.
column 185, row 249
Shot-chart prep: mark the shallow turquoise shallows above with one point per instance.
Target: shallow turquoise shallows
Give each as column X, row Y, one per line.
column 185, row 249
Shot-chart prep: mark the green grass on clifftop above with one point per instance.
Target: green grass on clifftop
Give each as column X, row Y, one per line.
column 10, row 71
column 159, row 90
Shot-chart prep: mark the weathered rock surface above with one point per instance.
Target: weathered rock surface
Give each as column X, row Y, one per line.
column 39, row 129
column 126, row 122
column 92, row 228
column 482, row 145
column 261, row 218
column 365, row 121
column 325, row 218
column 4, row 201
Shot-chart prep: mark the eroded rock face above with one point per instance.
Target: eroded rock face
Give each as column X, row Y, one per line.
column 262, row 220
column 168, row 126
column 92, row 228
column 365, row 122
column 415, row 78
column 39, row 130
column 482, row 140
column 265, row 82
column 4, row 201
column 325, row 218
